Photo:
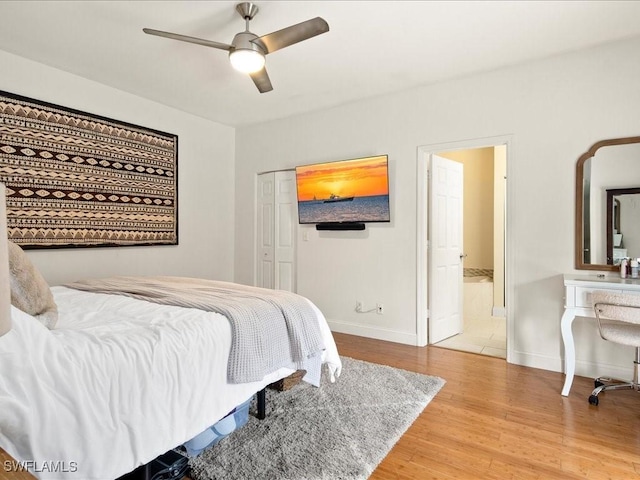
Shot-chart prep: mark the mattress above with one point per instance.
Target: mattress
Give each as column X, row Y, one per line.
column 118, row 382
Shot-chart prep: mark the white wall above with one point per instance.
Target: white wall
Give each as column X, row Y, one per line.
column 554, row 109
column 478, row 211
column 205, row 187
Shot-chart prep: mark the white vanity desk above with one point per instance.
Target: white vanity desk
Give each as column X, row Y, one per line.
column 577, row 303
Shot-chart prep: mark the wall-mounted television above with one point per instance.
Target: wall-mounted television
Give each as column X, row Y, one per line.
column 344, row 194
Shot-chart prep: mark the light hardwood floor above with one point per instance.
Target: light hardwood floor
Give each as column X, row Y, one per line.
column 493, row 420
column 10, row 470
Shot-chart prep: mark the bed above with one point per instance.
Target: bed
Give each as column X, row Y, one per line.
column 118, row 381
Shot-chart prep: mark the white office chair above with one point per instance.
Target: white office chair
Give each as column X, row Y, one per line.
column 618, row 316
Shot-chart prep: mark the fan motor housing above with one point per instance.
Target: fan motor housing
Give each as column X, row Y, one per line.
column 245, row 41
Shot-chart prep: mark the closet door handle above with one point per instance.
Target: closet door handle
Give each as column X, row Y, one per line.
column 462, row 255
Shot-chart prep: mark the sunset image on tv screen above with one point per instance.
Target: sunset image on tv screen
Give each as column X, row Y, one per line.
column 344, row 191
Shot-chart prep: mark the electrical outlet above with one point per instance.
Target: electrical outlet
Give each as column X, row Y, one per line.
column 379, row 308
column 358, row 306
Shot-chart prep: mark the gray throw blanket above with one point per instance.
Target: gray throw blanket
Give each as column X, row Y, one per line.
column 271, row 329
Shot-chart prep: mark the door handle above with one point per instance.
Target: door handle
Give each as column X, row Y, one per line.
column 462, row 255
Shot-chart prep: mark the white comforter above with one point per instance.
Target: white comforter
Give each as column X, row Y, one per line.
column 118, row 382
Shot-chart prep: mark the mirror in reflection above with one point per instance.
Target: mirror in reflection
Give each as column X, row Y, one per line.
column 623, row 224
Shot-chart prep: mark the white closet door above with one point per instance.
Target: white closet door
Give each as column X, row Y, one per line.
column 276, row 230
column 266, row 220
column 284, row 232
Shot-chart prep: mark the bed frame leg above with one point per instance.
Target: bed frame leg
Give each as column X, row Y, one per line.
column 262, row 404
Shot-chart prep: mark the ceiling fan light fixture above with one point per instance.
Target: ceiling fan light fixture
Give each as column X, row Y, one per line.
column 247, row 51
column 247, row 60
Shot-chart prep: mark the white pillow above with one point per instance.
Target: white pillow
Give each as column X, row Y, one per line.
column 30, row 292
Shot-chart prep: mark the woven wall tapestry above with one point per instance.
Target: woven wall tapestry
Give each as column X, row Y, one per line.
column 77, row 179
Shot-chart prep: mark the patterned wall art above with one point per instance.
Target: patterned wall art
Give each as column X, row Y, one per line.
column 77, row 180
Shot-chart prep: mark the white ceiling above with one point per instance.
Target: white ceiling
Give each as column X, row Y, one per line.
column 372, row 48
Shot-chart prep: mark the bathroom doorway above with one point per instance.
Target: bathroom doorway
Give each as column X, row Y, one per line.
column 483, row 312
column 483, row 286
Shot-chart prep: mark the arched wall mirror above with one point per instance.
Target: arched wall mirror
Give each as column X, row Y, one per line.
column 607, row 223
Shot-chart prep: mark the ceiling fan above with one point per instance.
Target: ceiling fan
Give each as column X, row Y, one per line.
column 247, row 51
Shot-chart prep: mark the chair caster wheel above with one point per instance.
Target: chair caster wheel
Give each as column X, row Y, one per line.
column 593, row 400
column 597, row 383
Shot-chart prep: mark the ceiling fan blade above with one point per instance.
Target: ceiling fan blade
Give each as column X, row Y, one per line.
column 262, row 81
column 293, row 34
column 185, row 38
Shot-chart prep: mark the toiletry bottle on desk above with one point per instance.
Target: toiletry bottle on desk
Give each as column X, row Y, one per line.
column 634, row 268
column 623, row 268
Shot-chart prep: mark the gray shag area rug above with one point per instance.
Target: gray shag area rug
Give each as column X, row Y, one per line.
column 341, row 430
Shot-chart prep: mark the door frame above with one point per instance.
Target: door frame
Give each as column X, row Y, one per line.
column 422, row 278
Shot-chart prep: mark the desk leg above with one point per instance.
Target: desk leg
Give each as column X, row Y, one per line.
column 569, row 349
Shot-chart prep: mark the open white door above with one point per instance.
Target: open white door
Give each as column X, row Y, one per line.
column 445, row 249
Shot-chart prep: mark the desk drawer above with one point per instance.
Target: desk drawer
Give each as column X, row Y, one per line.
column 583, row 297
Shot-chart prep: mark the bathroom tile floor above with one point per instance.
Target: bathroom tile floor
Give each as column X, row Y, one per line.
column 482, row 332
column 486, row 336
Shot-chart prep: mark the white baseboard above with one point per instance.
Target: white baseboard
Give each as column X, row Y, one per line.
column 373, row 332
column 593, row 370
column 543, row 362
column 499, row 312
column 583, row 368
